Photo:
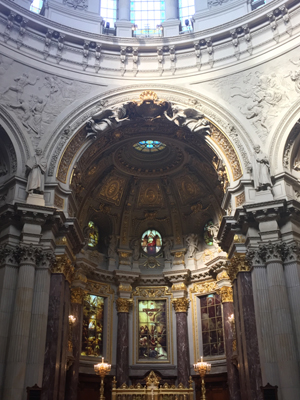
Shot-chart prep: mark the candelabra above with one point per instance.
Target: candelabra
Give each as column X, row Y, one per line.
column 202, row 368
column 102, row 369
column 72, row 320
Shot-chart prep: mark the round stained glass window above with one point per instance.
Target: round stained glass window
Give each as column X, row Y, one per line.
column 151, row 242
column 149, row 146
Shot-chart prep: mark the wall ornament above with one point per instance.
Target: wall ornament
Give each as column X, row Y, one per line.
column 77, row 4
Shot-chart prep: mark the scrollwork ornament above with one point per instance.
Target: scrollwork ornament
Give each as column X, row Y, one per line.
column 77, row 295
column 181, row 304
column 123, row 305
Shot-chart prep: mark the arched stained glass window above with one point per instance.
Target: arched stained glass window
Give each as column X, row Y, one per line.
column 36, row 6
column 151, row 242
column 208, row 237
column 147, row 16
column 109, row 11
column 92, row 333
column 93, row 234
column 186, row 11
column 149, row 146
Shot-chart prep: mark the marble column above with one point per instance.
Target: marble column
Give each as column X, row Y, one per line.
column 183, row 362
column 171, row 23
column 247, row 342
column 38, row 328
column 20, row 328
column 229, row 333
column 55, row 362
column 8, row 283
column 122, row 368
column 285, row 342
column 292, row 277
column 123, row 23
column 77, row 295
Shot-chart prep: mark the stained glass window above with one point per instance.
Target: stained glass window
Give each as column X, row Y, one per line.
column 186, row 11
column 93, row 234
column 147, row 16
column 208, row 236
column 149, row 146
column 36, row 6
column 212, row 325
column 92, row 333
column 152, row 330
column 109, row 11
column 151, row 242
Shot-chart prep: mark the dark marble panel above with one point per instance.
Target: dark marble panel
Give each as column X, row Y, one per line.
column 122, row 368
column 183, row 362
column 73, row 372
column 249, row 336
column 232, row 371
column 64, row 343
column 54, row 338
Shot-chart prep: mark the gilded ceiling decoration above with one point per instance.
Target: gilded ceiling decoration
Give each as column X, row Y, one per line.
column 150, row 195
column 188, row 189
column 112, row 189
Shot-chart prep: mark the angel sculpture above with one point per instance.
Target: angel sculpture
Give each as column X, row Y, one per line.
column 106, row 118
column 188, row 117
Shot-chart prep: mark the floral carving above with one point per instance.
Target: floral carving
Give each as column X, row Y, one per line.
column 181, row 304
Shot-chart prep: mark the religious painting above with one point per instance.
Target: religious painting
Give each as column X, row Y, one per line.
column 152, row 325
column 151, row 242
column 92, row 333
column 212, row 325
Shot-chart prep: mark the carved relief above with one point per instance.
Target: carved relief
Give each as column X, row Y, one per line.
column 160, row 291
column 77, row 4
column 99, row 288
column 112, row 189
column 187, row 187
column 58, row 201
column 229, row 152
column 150, row 195
column 203, row 288
column 240, row 199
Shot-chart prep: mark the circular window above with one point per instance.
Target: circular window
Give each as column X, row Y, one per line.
column 149, row 146
column 151, row 242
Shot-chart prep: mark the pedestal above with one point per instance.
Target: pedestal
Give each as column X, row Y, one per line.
column 36, row 199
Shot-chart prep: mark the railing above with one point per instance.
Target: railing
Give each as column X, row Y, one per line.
column 152, row 390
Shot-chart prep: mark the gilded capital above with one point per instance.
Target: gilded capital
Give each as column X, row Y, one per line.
column 63, row 265
column 77, row 295
column 226, row 294
column 181, row 304
column 123, row 305
column 237, row 264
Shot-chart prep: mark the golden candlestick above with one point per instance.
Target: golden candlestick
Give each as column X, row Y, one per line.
column 102, row 369
column 202, row 368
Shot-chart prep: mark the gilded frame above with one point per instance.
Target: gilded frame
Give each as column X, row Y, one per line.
column 153, row 293
column 104, row 290
column 197, row 290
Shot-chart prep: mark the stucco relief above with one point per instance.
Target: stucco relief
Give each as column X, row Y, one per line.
column 36, row 99
column 261, row 97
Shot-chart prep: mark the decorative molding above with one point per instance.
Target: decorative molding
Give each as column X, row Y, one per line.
column 123, row 305
column 204, row 287
column 99, row 288
column 181, row 304
column 153, row 292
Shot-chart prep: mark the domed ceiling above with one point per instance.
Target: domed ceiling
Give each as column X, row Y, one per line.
column 148, row 173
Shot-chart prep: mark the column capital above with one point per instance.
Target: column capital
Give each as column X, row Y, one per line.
column 63, row 265
column 77, row 295
column 123, row 305
column 226, row 294
column 292, row 252
column 238, row 263
column 28, row 254
column 181, row 304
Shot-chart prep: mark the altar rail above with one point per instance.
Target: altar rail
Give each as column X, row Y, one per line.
column 152, row 390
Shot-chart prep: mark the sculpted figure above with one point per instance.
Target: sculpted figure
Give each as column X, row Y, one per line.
column 188, row 117
column 213, row 231
column 167, row 245
column 135, row 245
column 104, row 119
column 192, row 243
column 112, row 248
column 20, row 83
column 36, row 168
column 261, row 170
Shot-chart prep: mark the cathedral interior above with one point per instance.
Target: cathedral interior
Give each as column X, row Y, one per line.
column 149, row 200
